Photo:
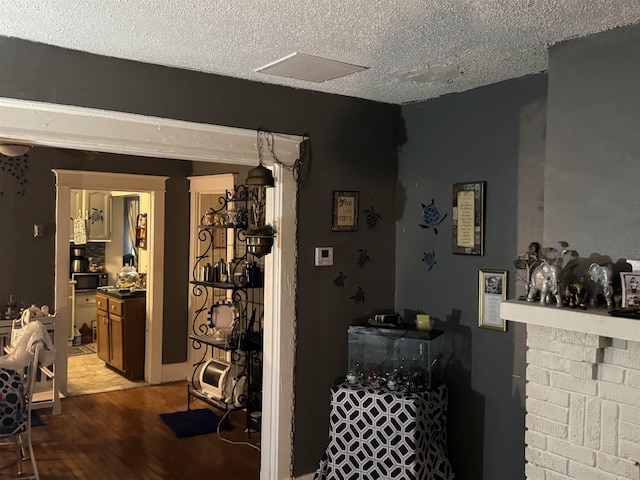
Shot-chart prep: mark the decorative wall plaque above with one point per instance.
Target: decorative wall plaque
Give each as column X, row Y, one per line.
column 468, row 218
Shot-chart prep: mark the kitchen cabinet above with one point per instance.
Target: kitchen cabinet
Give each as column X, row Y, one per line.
column 95, row 207
column 85, row 309
column 121, row 332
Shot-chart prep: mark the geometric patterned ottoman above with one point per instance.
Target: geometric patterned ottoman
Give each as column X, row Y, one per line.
column 377, row 434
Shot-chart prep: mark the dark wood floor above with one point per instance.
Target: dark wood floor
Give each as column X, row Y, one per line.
column 119, row 435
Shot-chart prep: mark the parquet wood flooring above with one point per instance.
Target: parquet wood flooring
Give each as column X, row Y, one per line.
column 119, row 435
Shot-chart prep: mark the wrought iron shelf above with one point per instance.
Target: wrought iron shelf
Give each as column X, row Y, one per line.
column 221, row 285
column 222, row 227
column 243, row 353
column 214, row 402
column 214, row 342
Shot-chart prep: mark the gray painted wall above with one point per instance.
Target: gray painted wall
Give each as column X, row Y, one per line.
column 353, row 147
column 571, row 187
column 36, row 257
column 489, row 134
column 593, row 147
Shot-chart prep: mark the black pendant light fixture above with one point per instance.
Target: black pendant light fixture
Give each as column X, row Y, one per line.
column 260, row 176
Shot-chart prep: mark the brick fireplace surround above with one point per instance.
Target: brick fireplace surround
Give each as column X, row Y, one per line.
column 582, row 393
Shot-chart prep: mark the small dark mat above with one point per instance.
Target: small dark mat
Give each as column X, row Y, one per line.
column 36, row 421
column 192, row 422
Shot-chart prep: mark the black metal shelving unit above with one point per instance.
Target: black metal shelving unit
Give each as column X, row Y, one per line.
column 243, row 288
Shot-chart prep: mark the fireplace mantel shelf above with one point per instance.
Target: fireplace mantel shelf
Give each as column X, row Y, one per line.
column 595, row 321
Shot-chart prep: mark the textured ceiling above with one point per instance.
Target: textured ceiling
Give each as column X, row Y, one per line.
column 415, row 49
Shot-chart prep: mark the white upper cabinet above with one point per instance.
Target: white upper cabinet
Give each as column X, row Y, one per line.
column 94, row 206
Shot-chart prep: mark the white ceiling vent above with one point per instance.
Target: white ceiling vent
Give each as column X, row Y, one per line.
column 309, row 67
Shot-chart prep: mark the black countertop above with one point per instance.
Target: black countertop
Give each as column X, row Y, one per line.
column 124, row 294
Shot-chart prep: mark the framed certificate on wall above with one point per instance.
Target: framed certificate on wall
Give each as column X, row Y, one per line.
column 468, row 218
column 492, row 290
column 345, row 211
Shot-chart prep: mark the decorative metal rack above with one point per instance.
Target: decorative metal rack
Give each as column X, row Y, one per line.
column 243, row 287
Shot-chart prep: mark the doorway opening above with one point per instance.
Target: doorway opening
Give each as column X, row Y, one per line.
column 153, row 188
column 113, row 240
column 43, row 124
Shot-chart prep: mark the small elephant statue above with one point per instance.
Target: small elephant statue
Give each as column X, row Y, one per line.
column 600, row 275
column 545, row 280
column 592, row 279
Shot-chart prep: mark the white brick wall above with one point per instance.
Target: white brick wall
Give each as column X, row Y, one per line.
column 583, row 406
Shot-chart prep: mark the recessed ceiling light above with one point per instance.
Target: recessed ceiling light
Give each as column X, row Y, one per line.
column 309, row 67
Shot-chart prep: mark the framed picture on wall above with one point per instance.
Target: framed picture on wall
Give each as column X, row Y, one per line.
column 345, row 211
column 630, row 289
column 492, row 289
column 141, row 231
column 468, row 218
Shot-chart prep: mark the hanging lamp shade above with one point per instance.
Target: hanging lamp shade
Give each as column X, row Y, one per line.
column 260, row 176
column 13, row 150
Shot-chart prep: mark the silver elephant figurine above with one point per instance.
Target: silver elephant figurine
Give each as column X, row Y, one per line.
column 589, row 279
column 602, row 284
column 545, row 280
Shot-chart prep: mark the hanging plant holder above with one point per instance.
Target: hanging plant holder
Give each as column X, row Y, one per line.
column 259, row 239
column 259, row 245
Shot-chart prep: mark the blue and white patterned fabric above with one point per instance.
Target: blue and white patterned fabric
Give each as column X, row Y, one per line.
column 379, row 434
column 13, row 408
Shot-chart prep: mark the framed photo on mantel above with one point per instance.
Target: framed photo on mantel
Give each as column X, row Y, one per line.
column 468, row 218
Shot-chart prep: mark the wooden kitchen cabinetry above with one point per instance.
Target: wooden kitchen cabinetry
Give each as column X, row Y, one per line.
column 121, row 332
column 85, row 310
column 95, row 207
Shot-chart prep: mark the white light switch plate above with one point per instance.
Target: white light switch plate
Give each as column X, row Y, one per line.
column 324, row 256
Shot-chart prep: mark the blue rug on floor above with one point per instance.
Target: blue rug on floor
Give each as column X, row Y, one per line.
column 36, row 421
column 192, row 422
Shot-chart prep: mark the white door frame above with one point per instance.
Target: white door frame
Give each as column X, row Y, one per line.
column 55, row 125
column 155, row 187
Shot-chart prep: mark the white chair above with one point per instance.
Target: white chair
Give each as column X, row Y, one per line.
column 16, row 390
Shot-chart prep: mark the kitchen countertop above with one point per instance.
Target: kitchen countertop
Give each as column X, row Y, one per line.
column 86, row 290
column 124, row 295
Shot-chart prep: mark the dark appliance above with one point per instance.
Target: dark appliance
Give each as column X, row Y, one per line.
column 89, row 280
column 79, row 263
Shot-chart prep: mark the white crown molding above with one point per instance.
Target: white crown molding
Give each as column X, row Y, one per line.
column 79, row 128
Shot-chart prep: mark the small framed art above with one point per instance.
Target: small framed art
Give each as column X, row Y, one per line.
column 492, row 289
column 345, row 211
column 141, row 231
column 630, row 289
column 468, row 218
